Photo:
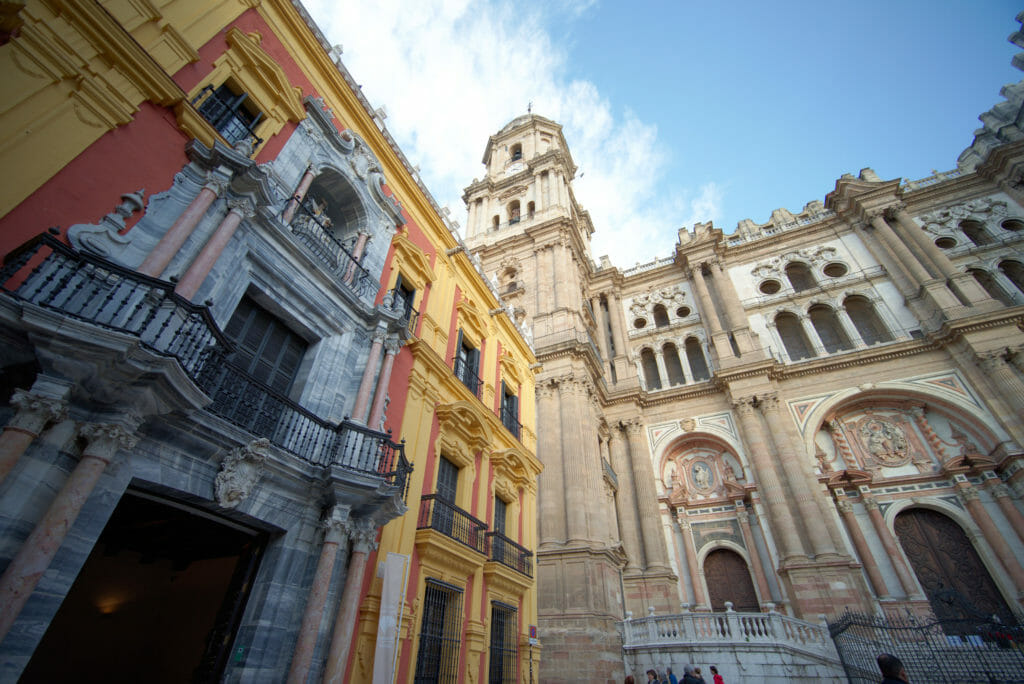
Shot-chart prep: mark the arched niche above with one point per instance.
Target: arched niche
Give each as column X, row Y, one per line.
column 700, row 467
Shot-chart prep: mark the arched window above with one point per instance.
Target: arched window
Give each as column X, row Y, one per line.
column 695, row 357
column 672, row 365
column 660, row 316
column 650, row 367
column 975, row 232
column 831, row 333
column 989, row 284
column 513, row 212
column 515, row 152
column 799, row 276
column 793, row 337
column 869, row 326
column 1014, row 271
column 530, row 208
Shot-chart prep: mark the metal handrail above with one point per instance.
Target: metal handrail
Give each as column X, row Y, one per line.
column 315, row 233
column 505, row 551
column 451, row 521
column 467, row 376
column 48, row 273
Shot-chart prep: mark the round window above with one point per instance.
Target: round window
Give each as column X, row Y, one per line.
column 946, row 242
column 1013, row 224
column 639, row 323
column 770, row 287
column 835, row 270
column 682, row 312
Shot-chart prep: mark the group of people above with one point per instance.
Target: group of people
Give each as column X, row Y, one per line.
column 691, row 675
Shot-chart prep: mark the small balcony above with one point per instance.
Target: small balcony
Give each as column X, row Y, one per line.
column 511, row 421
column 314, row 231
column 453, row 522
column 505, row 551
column 466, row 373
column 410, row 316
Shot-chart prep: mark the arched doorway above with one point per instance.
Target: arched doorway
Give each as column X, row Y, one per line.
column 728, row 579
column 950, row 571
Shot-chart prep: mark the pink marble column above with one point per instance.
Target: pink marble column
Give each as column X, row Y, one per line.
column 366, row 384
column 891, row 547
column 300, row 194
column 35, row 411
column 334, row 536
column 755, row 557
column 357, row 254
column 699, row 598
column 363, row 537
column 34, row 556
column 867, row 558
column 391, row 348
column 156, row 261
column 203, row 264
column 1001, row 493
column 969, row 495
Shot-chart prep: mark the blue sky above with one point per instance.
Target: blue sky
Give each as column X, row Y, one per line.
column 678, row 112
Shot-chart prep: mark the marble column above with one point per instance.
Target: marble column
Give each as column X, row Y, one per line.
column 969, row 495
column 300, row 194
column 913, row 267
column 362, row 401
column 363, row 535
column 334, row 539
column 849, row 328
column 796, row 474
column 812, row 336
column 549, row 448
column 659, row 361
column 997, row 369
column 907, row 581
column 867, row 559
column 700, row 598
column 203, row 264
column 625, row 501
column 162, row 254
column 1001, row 493
column 602, row 329
column 783, row 525
column 655, row 553
column 755, row 557
column 571, row 393
column 391, row 347
column 707, row 306
column 33, row 558
column 357, row 254
column 36, row 409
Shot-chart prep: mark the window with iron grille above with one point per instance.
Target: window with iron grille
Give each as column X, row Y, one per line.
column 510, row 409
column 438, row 659
column 267, row 349
column 229, row 113
column 467, row 365
column 504, row 651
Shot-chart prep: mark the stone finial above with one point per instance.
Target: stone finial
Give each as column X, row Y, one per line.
column 240, row 472
column 104, row 238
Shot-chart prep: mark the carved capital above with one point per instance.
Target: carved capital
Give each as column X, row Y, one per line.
column 999, row 490
column 392, row 345
column 743, row 405
column 363, row 535
column 240, row 471
column 968, row 493
column 845, row 506
column 769, row 403
column 991, row 362
column 106, row 438
column 870, row 503
column 633, row 427
column 379, row 335
column 216, row 185
column 891, row 212
column 335, row 523
column 242, row 206
column 35, row 411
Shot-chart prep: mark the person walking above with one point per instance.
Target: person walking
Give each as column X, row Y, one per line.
column 671, row 677
column 892, row 669
column 716, row 678
column 690, row 676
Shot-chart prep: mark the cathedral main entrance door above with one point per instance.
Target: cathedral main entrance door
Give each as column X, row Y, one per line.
column 950, row 571
column 158, row 600
column 729, row 580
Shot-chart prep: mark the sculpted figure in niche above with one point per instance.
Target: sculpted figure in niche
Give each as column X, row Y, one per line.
column 702, row 476
column 884, row 441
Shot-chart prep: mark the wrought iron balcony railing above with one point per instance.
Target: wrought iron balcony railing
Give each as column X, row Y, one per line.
column 467, row 374
column 505, row 551
column 49, row 274
column 511, row 421
column 402, row 301
column 452, row 521
column 314, row 231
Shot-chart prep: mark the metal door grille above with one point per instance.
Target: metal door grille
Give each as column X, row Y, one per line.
column 440, row 632
column 504, row 652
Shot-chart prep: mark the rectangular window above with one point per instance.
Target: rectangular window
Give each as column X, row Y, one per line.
column 229, row 113
column 467, row 365
column 404, row 296
column 444, row 496
column 510, row 410
column 503, row 651
column 437, row 661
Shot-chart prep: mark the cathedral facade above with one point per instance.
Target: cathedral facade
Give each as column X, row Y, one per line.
column 821, row 413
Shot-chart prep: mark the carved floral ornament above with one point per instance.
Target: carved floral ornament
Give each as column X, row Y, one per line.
column 240, row 472
column 669, row 296
column 982, row 209
column 812, row 256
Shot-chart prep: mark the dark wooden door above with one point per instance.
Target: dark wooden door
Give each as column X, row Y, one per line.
column 950, row 571
column 729, row 580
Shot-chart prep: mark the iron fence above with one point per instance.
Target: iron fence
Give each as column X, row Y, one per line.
column 953, row 651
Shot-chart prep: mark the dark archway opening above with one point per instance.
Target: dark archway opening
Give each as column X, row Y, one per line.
column 158, row 600
column 729, row 580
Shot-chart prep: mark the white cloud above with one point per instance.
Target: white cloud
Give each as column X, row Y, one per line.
column 452, row 73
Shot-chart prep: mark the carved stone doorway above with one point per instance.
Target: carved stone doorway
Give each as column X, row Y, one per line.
column 158, row 600
column 953, row 576
column 728, row 579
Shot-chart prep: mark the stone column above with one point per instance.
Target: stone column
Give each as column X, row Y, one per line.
column 755, row 557
column 573, row 461
column 391, row 347
column 357, row 254
column 366, row 383
column 707, row 306
column 849, row 328
column 655, row 554
column 33, row 558
column 812, row 336
column 602, row 328
column 203, row 264
column 363, row 535
column 659, row 360
column 300, row 194
column 1000, row 374
column 1001, row 493
column 550, row 496
column 910, row 587
column 797, row 477
column 625, row 501
column 738, row 321
column 36, row 408
column 334, row 537
column 969, row 495
column 918, row 274
column 867, row 558
column 699, row 597
column 768, row 482
column 618, row 324
column 161, row 255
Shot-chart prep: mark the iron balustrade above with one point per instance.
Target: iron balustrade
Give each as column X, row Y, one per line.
column 227, row 116
column 452, row 521
column 314, row 232
column 51, row 275
column 510, row 420
column 401, row 300
column 467, row 374
column 505, row 551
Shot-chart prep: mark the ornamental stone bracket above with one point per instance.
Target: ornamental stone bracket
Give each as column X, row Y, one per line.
column 104, row 238
column 240, row 472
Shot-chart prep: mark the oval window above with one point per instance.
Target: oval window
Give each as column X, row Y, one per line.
column 945, row 242
column 835, row 270
column 682, row 312
column 639, row 323
column 1013, row 225
column 770, row 287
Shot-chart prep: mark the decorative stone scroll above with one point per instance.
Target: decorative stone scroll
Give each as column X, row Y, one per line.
column 240, row 472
